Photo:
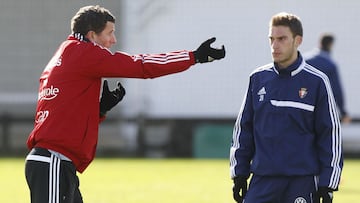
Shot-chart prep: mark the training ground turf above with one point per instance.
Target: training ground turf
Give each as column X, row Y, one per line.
column 156, row 181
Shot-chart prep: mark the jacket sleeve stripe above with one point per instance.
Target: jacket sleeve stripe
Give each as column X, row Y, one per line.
column 235, row 141
column 163, row 58
column 336, row 130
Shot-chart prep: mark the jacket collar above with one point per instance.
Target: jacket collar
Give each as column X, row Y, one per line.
column 79, row 37
column 293, row 69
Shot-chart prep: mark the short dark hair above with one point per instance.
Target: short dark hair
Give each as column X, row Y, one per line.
column 288, row 20
column 91, row 18
column 326, row 40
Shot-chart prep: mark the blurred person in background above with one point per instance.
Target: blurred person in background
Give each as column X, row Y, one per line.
column 287, row 133
column 70, row 104
column 321, row 59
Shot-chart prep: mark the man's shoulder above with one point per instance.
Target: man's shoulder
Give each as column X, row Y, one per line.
column 321, row 63
column 263, row 69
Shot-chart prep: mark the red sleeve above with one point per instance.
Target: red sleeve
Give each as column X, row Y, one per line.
column 102, row 63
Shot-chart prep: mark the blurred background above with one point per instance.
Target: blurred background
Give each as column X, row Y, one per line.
column 190, row 114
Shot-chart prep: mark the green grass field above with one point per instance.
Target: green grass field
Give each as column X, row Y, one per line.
column 156, row 180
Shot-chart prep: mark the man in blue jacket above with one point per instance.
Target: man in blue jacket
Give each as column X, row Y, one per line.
column 321, row 59
column 287, row 133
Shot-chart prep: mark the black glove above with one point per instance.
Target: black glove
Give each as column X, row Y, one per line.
column 240, row 185
column 324, row 193
column 109, row 99
column 205, row 53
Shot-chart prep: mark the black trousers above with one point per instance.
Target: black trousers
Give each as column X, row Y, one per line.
column 50, row 179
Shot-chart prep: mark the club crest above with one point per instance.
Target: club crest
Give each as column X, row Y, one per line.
column 302, row 92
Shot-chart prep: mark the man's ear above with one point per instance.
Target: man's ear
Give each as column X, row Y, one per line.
column 298, row 40
column 91, row 35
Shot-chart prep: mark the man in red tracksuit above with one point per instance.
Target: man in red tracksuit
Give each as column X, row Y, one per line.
column 68, row 111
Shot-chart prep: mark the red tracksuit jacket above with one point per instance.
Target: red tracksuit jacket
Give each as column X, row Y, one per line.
column 67, row 112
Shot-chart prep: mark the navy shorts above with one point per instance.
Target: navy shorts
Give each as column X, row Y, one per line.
column 281, row 189
column 51, row 178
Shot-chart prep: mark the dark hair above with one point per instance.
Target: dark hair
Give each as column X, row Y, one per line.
column 288, row 20
column 91, row 18
column 326, row 41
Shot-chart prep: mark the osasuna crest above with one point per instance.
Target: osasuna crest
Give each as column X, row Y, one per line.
column 300, row 200
column 303, row 92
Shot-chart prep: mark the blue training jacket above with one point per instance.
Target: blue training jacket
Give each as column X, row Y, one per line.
column 288, row 125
